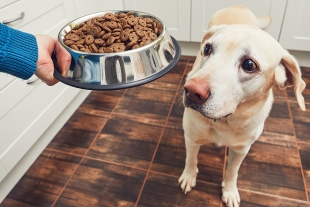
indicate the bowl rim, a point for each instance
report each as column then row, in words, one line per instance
column 78, row 20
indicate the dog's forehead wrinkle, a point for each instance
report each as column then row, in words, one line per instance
column 242, row 33
column 246, row 50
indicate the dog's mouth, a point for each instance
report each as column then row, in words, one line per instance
column 201, row 109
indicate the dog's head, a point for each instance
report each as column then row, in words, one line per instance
column 238, row 64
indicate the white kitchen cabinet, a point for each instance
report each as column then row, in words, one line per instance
column 49, row 19
column 6, row 2
column 26, row 122
column 202, row 10
column 20, row 90
column 295, row 34
column 22, row 104
column 5, row 79
column 91, row 6
column 175, row 14
column 29, row 111
column 3, row 172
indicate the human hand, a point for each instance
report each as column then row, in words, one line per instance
column 45, row 67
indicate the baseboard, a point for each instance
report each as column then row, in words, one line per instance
column 189, row 48
column 23, row 165
column 302, row 57
column 192, row 48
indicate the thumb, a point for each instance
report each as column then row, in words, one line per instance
column 63, row 58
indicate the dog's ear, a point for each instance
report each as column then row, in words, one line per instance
column 288, row 74
column 264, row 22
column 211, row 31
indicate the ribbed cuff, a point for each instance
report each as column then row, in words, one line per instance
column 18, row 52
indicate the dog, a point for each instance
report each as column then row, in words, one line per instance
column 228, row 93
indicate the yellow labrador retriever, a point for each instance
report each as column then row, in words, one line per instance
column 228, row 93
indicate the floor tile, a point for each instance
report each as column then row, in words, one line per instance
column 176, row 115
column 190, row 64
column 301, row 120
column 78, row 133
column 306, row 92
column 172, row 79
column 171, row 154
column 304, row 150
column 101, row 184
column 264, row 169
column 43, row 182
column 279, row 94
column 127, row 140
column 252, row 199
column 101, row 103
column 161, row 190
column 279, row 124
column 266, row 154
column 272, row 169
column 191, row 59
column 146, row 102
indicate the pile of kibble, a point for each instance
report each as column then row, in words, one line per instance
column 113, row 33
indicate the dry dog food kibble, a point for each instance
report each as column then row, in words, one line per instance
column 113, row 33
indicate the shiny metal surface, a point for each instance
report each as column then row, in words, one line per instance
column 110, row 71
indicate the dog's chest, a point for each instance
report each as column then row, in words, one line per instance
column 220, row 132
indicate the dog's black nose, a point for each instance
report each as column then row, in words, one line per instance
column 197, row 90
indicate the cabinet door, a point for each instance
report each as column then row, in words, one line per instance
column 92, row 6
column 3, row 3
column 5, row 79
column 202, row 10
column 175, row 14
column 295, row 34
column 20, row 89
column 21, row 127
column 3, row 172
column 49, row 18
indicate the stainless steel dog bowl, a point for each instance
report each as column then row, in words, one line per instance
column 111, row 71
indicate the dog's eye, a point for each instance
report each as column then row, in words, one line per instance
column 208, row 49
column 249, row 66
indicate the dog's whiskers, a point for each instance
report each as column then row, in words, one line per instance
column 180, row 101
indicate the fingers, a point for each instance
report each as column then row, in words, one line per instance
column 45, row 67
column 45, row 73
column 63, row 58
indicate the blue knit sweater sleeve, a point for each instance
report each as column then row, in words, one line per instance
column 18, row 52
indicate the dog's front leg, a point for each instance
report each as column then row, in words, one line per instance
column 230, row 191
column 188, row 178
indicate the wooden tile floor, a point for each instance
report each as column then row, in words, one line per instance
column 126, row 148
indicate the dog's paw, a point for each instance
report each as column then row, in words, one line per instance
column 187, row 180
column 231, row 197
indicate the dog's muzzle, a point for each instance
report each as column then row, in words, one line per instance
column 195, row 94
column 194, row 101
column 191, row 104
column 197, row 102
column 197, row 91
